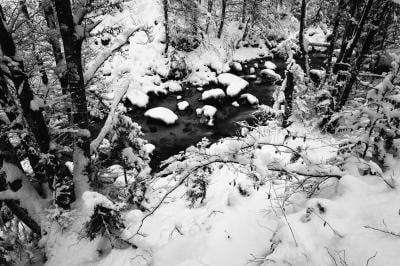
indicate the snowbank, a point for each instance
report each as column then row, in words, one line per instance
column 235, row 84
column 162, row 114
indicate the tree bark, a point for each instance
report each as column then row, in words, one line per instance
column 364, row 50
column 72, row 41
column 166, row 26
column 244, row 6
column 31, row 110
column 221, row 25
column 357, row 33
column 303, row 50
column 348, row 30
column 289, row 89
column 333, row 41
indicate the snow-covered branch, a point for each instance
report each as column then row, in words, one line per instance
column 104, row 55
column 112, row 115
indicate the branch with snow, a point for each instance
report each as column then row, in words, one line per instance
column 112, row 115
column 121, row 40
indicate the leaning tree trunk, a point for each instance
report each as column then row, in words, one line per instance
column 333, row 41
column 364, row 50
column 303, row 49
column 72, row 41
column 357, row 33
column 244, row 6
column 221, row 25
column 348, row 30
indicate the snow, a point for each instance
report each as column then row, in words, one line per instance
column 318, row 72
column 235, row 104
column 173, row 86
column 270, row 65
column 163, row 114
column 271, row 74
column 235, row 84
column 36, row 103
column 149, row 148
column 209, row 112
column 236, row 66
column 183, row 105
column 212, row 94
column 250, row 98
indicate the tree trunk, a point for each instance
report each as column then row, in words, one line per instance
column 348, row 30
column 303, row 50
column 289, row 89
column 244, row 6
column 365, row 49
column 333, row 41
column 166, row 26
column 221, row 25
column 54, row 40
column 30, row 105
column 209, row 15
column 72, row 41
column 357, row 33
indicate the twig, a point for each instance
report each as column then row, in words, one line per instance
column 382, row 230
column 370, row 258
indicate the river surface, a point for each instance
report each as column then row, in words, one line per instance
column 189, row 130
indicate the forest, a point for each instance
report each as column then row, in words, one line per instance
column 200, row 132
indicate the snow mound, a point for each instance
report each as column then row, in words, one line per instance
column 162, row 114
column 236, row 66
column 183, row 105
column 235, row 84
column 209, row 112
column 250, row 98
column 270, row 65
column 213, row 94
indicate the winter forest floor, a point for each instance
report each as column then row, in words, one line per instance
column 254, row 192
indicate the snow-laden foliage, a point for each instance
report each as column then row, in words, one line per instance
column 371, row 126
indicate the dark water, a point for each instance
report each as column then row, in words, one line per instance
column 189, row 130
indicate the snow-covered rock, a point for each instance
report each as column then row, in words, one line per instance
column 234, row 83
column 213, row 94
column 173, row 86
column 269, row 73
column 235, row 104
column 270, row 65
column 250, row 98
column 162, row 114
column 236, row 66
column 183, row 105
column 252, row 70
column 209, row 112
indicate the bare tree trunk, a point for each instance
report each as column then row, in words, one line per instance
column 244, row 6
column 289, row 89
column 221, row 25
column 209, row 10
column 365, row 49
column 29, row 104
column 54, row 40
column 72, row 41
column 303, row 50
column 166, row 26
column 348, row 30
column 357, row 32
column 333, row 40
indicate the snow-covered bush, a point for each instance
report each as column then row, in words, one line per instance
column 374, row 124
